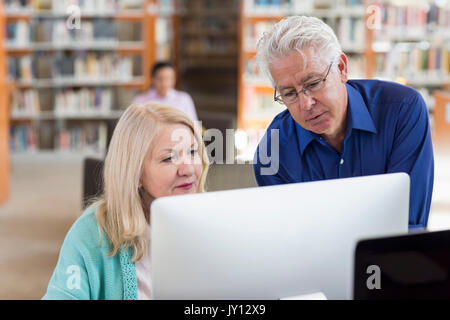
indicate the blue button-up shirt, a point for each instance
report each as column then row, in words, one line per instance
column 388, row 131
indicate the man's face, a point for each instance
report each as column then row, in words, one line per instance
column 322, row 112
column 164, row 80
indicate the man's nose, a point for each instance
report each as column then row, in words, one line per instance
column 306, row 101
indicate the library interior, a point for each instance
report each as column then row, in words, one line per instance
column 69, row 69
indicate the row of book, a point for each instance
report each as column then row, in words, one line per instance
column 83, row 101
column 19, row 68
column 85, row 138
column 411, row 20
column 94, row 66
column 15, row 5
column 88, row 137
column 210, row 45
column 411, row 59
column 87, row 6
column 58, row 32
column 67, row 102
column 295, row 6
column 76, row 66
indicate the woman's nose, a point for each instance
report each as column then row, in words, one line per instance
column 186, row 168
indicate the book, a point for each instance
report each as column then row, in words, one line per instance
column 25, row 103
column 22, row 138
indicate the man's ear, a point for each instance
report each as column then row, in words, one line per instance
column 343, row 68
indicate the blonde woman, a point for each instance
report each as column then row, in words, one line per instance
column 155, row 151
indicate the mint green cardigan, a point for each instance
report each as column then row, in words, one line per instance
column 84, row 270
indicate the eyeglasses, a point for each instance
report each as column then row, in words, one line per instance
column 292, row 96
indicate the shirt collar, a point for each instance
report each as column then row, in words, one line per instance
column 359, row 112
column 358, row 117
column 170, row 94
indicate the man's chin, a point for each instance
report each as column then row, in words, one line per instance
column 323, row 130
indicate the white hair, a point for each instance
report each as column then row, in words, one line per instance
column 297, row 33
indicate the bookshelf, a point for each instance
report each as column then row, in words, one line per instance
column 412, row 45
column 71, row 79
column 4, row 119
column 406, row 42
column 256, row 108
column 207, row 46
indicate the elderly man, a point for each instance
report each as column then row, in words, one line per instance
column 334, row 127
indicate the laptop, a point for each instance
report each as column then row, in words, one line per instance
column 413, row 266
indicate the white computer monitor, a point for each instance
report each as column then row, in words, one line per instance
column 271, row 242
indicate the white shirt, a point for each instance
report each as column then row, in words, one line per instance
column 143, row 277
column 174, row 98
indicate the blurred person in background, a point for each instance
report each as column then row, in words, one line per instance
column 163, row 91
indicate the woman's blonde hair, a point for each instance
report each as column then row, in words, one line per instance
column 120, row 211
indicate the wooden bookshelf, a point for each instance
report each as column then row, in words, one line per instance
column 135, row 56
column 441, row 128
column 4, row 115
column 207, row 56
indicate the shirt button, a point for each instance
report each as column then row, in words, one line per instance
column 342, row 161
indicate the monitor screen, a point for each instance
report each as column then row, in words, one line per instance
column 271, row 242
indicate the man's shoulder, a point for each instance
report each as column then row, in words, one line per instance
column 145, row 96
column 383, row 92
column 182, row 94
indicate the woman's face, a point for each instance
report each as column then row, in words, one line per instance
column 173, row 164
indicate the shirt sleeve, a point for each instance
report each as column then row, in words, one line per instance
column 141, row 98
column 70, row 277
column 76, row 275
column 412, row 153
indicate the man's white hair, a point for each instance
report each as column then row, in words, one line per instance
column 297, row 33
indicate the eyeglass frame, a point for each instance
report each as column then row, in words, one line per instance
column 280, row 100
